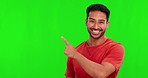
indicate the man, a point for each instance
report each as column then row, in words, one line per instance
column 99, row 56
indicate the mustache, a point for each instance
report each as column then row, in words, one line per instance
column 96, row 29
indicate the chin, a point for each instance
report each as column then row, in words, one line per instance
column 95, row 37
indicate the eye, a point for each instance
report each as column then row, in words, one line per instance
column 101, row 22
column 91, row 21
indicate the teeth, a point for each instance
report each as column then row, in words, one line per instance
column 96, row 31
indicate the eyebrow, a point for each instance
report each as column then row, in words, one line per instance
column 91, row 19
column 101, row 19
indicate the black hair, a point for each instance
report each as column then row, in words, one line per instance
column 98, row 7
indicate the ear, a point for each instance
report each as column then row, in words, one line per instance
column 86, row 22
column 107, row 24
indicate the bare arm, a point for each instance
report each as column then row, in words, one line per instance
column 94, row 69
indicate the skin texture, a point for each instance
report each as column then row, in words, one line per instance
column 96, row 25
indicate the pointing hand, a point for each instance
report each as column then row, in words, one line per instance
column 70, row 51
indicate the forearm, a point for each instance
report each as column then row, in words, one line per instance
column 92, row 68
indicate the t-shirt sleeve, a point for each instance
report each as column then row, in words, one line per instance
column 115, row 56
column 70, row 69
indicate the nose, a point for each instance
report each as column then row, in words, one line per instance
column 96, row 26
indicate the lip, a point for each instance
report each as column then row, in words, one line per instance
column 96, row 32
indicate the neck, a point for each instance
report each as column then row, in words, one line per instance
column 94, row 42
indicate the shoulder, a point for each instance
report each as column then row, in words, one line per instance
column 115, row 47
column 81, row 45
column 112, row 43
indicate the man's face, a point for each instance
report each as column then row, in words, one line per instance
column 96, row 24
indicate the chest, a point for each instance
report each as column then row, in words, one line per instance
column 94, row 54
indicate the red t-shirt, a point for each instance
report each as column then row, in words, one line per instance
column 110, row 51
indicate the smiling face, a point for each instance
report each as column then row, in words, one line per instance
column 96, row 24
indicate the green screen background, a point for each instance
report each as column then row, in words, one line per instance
column 30, row 30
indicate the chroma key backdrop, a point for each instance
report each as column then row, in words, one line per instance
column 30, row 31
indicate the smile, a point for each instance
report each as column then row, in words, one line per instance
column 95, row 32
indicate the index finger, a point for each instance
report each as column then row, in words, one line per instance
column 66, row 42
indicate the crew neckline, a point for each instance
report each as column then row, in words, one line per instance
column 97, row 45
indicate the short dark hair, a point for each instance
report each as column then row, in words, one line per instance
column 98, row 7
